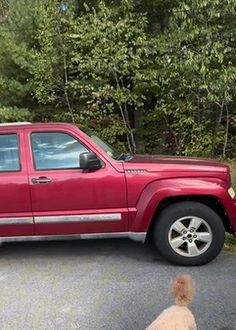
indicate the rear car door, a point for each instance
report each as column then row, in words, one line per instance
column 15, row 208
column 66, row 199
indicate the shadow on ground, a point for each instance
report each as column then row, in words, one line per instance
column 115, row 248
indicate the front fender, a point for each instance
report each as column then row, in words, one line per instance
column 155, row 192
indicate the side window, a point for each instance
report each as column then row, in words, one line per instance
column 9, row 153
column 56, row 150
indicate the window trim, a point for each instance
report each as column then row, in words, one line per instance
column 19, row 155
column 55, row 169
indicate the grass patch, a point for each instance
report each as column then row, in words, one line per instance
column 230, row 243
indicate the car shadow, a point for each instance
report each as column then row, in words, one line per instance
column 115, row 248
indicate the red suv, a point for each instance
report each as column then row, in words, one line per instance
column 62, row 181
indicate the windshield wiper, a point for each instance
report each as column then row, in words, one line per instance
column 125, row 157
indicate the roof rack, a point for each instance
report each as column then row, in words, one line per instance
column 16, row 123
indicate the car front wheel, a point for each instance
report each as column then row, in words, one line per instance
column 189, row 233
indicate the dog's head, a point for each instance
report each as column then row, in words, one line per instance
column 182, row 289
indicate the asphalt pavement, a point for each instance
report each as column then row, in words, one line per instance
column 105, row 284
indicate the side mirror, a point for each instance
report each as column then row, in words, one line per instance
column 89, row 161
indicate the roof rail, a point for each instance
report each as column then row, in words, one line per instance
column 16, row 123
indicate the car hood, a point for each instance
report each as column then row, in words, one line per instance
column 173, row 163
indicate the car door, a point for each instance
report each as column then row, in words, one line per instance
column 66, row 199
column 15, row 208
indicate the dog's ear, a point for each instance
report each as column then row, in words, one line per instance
column 182, row 289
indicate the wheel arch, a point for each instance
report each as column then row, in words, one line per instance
column 211, row 201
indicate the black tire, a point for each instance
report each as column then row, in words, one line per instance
column 193, row 251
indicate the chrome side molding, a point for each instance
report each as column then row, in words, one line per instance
column 79, row 218
column 62, row 219
column 17, row 221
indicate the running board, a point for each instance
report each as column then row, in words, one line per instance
column 138, row 237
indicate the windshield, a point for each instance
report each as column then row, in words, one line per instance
column 104, row 145
column 110, row 151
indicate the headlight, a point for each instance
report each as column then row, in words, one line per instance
column 231, row 192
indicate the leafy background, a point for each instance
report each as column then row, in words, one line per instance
column 151, row 76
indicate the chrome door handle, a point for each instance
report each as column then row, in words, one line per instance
column 42, row 179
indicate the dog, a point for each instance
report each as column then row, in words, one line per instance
column 178, row 316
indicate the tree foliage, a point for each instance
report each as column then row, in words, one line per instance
column 198, row 77
column 9, row 115
column 149, row 75
column 109, row 51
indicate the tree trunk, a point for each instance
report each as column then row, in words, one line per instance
column 226, row 131
column 138, row 125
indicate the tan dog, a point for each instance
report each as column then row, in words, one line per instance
column 178, row 316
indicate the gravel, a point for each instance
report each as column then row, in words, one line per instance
column 106, row 284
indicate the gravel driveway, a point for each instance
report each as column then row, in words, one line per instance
column 108, row 284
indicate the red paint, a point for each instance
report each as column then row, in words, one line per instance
column 115, row 188
column 15, row 193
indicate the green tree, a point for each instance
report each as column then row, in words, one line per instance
column 197, row 75
column 161, row 74
column 17, row 39
column 9, row 114
column 108, row 51
column 30, row 64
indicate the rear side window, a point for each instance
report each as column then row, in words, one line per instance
column 56, row 150
column 9, row 153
